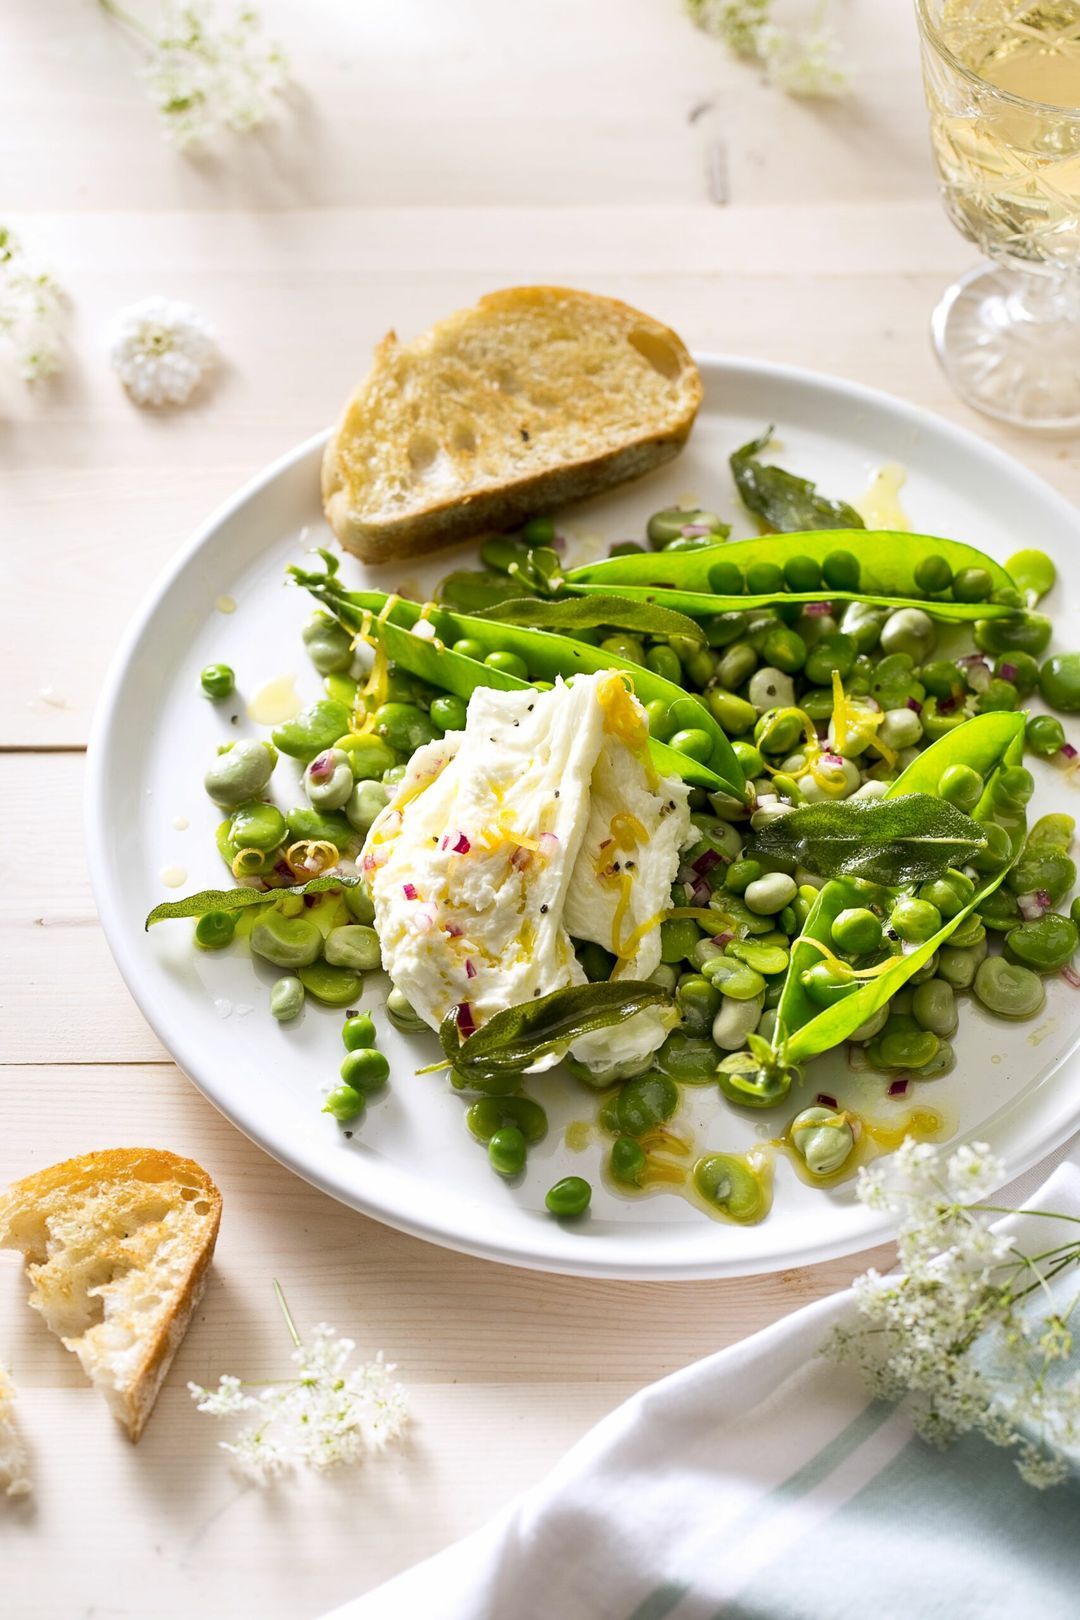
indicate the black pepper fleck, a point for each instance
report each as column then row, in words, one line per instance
column 543, row 911
column 556, row 793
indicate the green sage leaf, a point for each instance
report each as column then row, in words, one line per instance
column 586, row 612
column 207, row 900
column 910, row 839
column 783, row 501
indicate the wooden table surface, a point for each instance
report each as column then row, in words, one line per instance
column 430, row 152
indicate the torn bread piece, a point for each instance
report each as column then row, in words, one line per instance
column 14, row 1478
column 117, row 1247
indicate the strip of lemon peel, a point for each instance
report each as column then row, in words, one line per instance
column 373, row 694
column 874, row 972
column 868, row 721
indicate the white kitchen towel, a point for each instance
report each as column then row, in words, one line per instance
column 763, row 1484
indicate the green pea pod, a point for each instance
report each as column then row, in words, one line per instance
column 518, row 1037
column 988, row 743
column 887, row 562
column 547, row 655
column 704, row 604
column 642, row 614
column 197, row 905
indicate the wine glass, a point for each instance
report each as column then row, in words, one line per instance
column 1002, row 82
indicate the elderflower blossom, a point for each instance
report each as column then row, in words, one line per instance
column 329, row 1414
column 210, row 68
column 31, row 311
column 161, row 349
column 804, row 61
column 963, row 1328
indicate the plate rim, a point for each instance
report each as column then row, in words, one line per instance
column 505, row 1250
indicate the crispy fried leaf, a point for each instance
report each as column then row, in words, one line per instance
column 782, row 500
column 911, row 839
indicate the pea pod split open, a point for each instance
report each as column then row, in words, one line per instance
column 391, row 621
column 988, row 743
column 887, row 560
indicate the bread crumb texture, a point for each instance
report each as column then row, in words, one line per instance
column 117, row 1248
column 14, row 1478
column 534, row 397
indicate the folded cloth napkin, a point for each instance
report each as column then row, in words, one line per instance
column 764, row 1484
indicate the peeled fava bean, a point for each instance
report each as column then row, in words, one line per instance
column 823, row 1139
column 288, row 942
column 735, row 1021
column 1046, row 944
column 957, row 965
column 239, row 773
column 328, row 780
column 1009, row 989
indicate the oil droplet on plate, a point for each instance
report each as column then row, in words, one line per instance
column 181, row 823
column 578, row 1135
column 172, row 876
column 880, row 507
column 275, row 703
column 226, row 604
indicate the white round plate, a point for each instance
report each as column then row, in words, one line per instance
column 412, row 1162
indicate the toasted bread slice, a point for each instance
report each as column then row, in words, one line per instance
column 14, row 1479
column 117, row 1248
column 536, row 397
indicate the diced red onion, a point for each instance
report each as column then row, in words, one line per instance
column 549, row 843
column 1068, row 750
column 701, row 894
column 688, row 893
column 969, row 659
column 558, row 542
column 470, row 971
column 817, row 610
column 409, row 890
column 978, row 677
column 1034, row 905
column 832, row 759
column 722, row 939
column 707, row 860
column 321, row 767
column 1008, row 672
column 461, row 845
column 1070, row 975
column 695, row 531
column 466, row 1023
column 914, row 705
column 898, row 1088
column 454, row 931
column 825, row 1100
column 946, row 705
column 520, row 859
column 424, row 918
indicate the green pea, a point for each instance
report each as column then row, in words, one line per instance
column 328, row 644
column 344, row 1104
column 1045, row 944
column 365, row 1070
column 962, row 786
column 863, row 624
column 911, row 631
column 240, row 772
column 358, row 902
column 958, row 966
column 802, row 573
column 334, row 986
column 1059, row 682
column 448, row 712
column 645, row 1102
column 841, row 570
column 949, row 894
column 664, row 661
column 405, row 727
column 999, row 910
column 1009, row 989
column 217, row 681
column 678, row 936
column 1074, row 911
column 569, row 1197
column 1033, row 571
column 834, row 652
column 491, row 1114
column 353, row 946
column 314, row 729
column 358, row 1032
column 763, row 958
column 725, row 578
column 764, row 579
column 1044, row 735
column 933, row 1005
column 1027, row 632
column 724, row 628
column 941, row 678
column 1011, row 789
column 693, row 742
column 972, row 585
column 698, row 1003
column 621, row 645
column 691, row 1059
column 365, row 802
column 215, row 930
column 822, row 1138
column 290, row 942
column 729, row 1184
column 736, row 665
column 914, row 920
column 998, row 848
column 286, row 998
column 401, row 1012
column 468, row 647
column 1019, row 668
column 597, row 963
column 627, row 1161
column 778, row 731
column 785, row 649
column 828, row 982
column 933, row 575
column 856, row 930
column 700, row 668
column 999, row 696
column 740, row 874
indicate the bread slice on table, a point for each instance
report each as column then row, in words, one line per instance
column 117, row 1247
column 536, row 397
column 14, row 1479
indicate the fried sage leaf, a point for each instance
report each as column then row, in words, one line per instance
column 783, row 501
column 519, row 1037
column 207, row 900
column 911, row 839
column 587, row 612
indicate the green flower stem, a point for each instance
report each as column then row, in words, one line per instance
column 128, row 20
column 279, row 1292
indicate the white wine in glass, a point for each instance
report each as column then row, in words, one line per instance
column 1003, row 88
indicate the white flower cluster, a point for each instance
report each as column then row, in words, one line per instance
column 31, row 311
column 210, row 69
column 803, row 61
column 327, row 1415
column 954, row 1328
column 161, row 349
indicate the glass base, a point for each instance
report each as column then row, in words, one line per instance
column 1009, row 343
